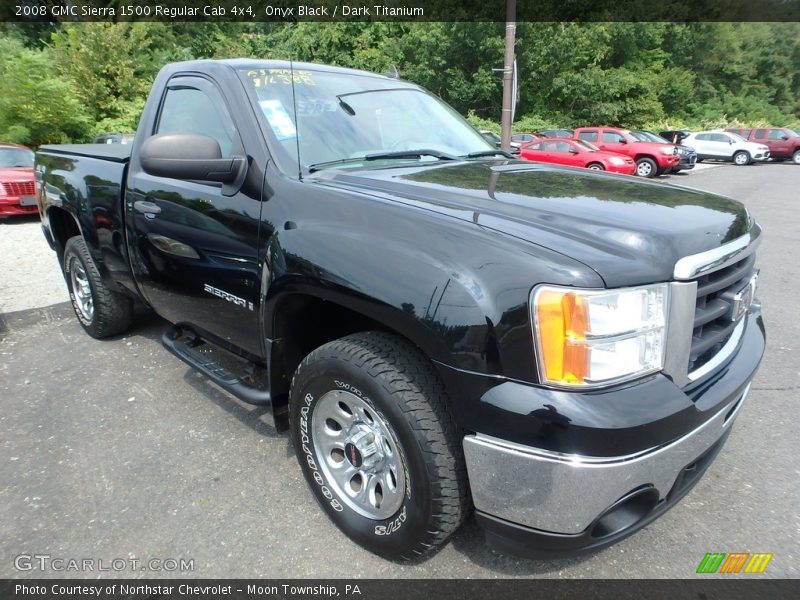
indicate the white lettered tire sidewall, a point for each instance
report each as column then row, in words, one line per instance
column 391, row 537
column 407, row 533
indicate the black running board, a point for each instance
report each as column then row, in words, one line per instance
column 245, row 380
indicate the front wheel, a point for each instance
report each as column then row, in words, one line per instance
column 796, row 157
column 101, row 311
column 377, row 445
column 741, row 158
column 646, row 167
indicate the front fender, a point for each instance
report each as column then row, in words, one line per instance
column 459, row 295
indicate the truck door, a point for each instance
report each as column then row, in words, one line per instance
column 779, row 142
column 612, row 141
column 193, row 250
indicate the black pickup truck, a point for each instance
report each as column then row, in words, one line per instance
column 443, row 328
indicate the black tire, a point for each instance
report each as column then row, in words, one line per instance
column 741, row 158
column 646, row 167
column 595, row 167
column 112, row 313
column 796, row 157
column 399, row 386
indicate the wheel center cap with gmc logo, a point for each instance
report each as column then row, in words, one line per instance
column 353, row 455
column 360, row 447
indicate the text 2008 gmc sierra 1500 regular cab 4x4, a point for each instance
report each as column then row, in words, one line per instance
column 446, row 328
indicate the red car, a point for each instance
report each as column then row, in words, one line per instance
column 17, row 182
column 577, row 153
column 652, row 158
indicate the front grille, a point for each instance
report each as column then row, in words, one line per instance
column 712, row 316
column 20, row 188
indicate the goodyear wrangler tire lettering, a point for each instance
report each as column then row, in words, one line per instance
column 312, row 463
column 396, row 488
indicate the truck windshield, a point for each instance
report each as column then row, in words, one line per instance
column 340, row 120
column 15, row 157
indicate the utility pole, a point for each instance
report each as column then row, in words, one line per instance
column 508, row 74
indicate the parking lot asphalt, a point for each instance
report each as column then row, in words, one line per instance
column 116, row 450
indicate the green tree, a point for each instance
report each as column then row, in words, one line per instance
column 36, row 105
column 113, row 65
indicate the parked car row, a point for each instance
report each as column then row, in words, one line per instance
column 669, row 151
column 783, row 143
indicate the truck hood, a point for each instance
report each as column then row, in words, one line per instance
column 629, row 231
column 16, row 174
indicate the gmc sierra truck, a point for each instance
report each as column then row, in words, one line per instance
column 443, row 328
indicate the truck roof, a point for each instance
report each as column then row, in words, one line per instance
column 257, row 63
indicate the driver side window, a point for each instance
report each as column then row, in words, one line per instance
column 189, row 110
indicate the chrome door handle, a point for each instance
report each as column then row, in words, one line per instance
column 148, row 208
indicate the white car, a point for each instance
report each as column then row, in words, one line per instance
column 724, row 145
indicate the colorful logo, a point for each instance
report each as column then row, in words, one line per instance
column 735, row 562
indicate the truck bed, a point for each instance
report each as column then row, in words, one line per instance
column 110, row 152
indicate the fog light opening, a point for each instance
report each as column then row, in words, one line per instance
column 626, row 512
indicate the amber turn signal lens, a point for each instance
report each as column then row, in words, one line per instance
column 562, row 321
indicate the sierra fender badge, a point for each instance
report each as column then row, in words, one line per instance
column 227, row 296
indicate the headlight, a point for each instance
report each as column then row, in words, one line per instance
column 667, row 150
column 589, row 338
column 616, row 161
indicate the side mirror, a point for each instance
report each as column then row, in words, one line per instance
column 784, row 136
column 623, row 141
column 730, row 141
column 190, row 156
column 572, row 151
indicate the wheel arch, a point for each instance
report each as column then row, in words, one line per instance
column 63, row 226
column 298, row 322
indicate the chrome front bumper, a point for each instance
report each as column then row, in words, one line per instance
column 566, row 494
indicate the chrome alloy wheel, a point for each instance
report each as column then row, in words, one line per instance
column 359, row 455
column 82, row 291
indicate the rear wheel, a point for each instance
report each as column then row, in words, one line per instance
column 102, row 312
column 377, row 445
column 741, row 158
column 595, row 167
column 646, row 167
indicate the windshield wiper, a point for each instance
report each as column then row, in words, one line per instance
column 482, row 153
column 341, row 161
column 400, row 154
column 410, row 154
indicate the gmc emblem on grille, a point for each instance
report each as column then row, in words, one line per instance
column 743, row 299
